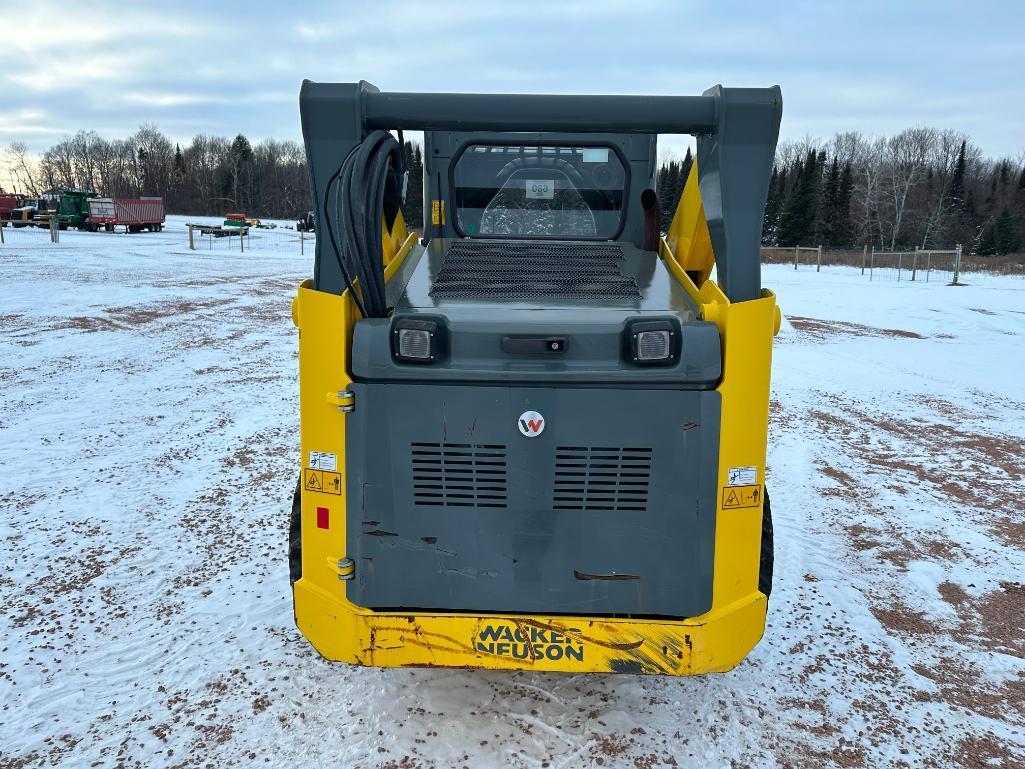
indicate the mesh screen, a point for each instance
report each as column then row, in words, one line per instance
column 480, row 269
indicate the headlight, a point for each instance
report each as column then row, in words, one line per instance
column 416, row 341
column 653, row 342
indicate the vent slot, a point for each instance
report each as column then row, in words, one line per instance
column 458, row 475
column 481, row 269
column 601, row 478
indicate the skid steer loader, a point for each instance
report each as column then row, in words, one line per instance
column 534, row 437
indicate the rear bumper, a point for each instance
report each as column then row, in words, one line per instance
column 713, row 643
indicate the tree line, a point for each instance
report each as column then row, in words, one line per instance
column 210, row 176
column 921, row 187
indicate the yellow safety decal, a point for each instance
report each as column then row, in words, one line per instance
column 438, row 211
column 322, row 480
column 741, row 496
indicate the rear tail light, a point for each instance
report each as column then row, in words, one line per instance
column 653, row 342
column 417, row 341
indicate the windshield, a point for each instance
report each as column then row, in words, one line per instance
column 543, row 191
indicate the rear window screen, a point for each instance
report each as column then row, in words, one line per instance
column 548, row 191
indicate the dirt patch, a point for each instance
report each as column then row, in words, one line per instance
column 975, row 469
column 821, row 330
column 118, row 318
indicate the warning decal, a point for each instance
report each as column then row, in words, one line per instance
column 437, row 211
column 742, row 476
column 741, row 496
column 322, row 480
column 323, row 460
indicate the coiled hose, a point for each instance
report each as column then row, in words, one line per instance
column 366, row 188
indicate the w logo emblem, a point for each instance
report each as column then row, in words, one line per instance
column 531, row 424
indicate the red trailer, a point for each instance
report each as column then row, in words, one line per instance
column 134, row 214
column 8, row 203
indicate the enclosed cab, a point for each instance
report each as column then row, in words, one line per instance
column 543, row 446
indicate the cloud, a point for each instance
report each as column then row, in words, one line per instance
column 198, row 68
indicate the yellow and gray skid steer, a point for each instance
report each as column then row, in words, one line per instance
column 534, row 436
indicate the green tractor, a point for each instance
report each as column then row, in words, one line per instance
column 73, row 209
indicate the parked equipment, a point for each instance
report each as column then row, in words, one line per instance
column 134, row 214
column 8, row 202
column 305, row 223
column 73, row 208
column 536, row 439
column 33, row 212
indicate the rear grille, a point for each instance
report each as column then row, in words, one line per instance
column 458, row 475
column 481, row 269
column 601, row 478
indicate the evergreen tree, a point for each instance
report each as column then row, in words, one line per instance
column 797, row 224
column 957, row 190
column 830, row 202
column 843, row 231
column 771, row 208
column 413, row 207
column 1002, row 237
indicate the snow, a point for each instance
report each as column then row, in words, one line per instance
column 148, row 446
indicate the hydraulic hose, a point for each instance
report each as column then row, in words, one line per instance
column 363, row 186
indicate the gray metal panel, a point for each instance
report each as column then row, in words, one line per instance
column 593, row 355
column 332, row 125
column 734, row 167
column 540, row 112
column 593, row 329
column 529, row 556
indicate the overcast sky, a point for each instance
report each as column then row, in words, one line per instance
column 201, row 68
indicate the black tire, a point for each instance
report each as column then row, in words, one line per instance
column 765, row 565
column 295, row 543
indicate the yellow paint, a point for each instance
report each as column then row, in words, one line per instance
column 437, row 211
column 688, row 239
column 713, row 642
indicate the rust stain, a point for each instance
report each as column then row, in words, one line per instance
column 689, row 425
column 429, row 540
column 380, row 533
column 610, row 577
column 371, row 523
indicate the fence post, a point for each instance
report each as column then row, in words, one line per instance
column 2, row 228
column 900, row 260
column 818, row 260
column 957, row 263
column 914, row 265
column 192, row 243
column 872, row 264
column 54, row 237
column 302, row 240
column 864, row 257
column 242, row 239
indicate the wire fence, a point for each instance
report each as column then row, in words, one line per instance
column 918, row 265
column 25, row 236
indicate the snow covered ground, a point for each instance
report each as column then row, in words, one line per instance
column 148, row 447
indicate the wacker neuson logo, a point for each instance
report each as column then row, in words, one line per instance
column 529, row 643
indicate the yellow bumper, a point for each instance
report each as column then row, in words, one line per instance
column 714, row 643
